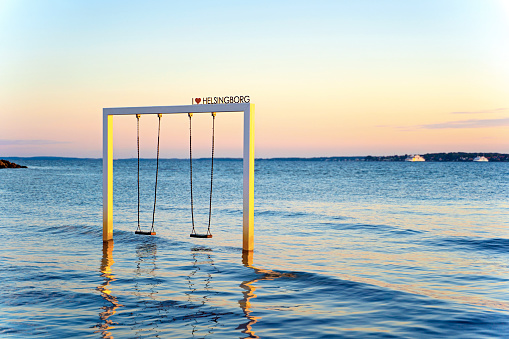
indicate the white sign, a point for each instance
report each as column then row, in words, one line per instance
column 238, row 99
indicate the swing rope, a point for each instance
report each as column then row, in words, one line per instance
column 138, row 230
column 138, row 146
column 157, row 172
column 211, row 170
column 190, row 115
column 193, row 232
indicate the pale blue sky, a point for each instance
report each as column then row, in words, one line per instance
column 327, row 77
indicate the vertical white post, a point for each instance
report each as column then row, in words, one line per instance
column 107, row 176
column 248, row 180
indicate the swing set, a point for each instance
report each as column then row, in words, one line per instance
column 152, row 229
column 248, row 164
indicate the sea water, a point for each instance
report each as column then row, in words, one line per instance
column 342, row 250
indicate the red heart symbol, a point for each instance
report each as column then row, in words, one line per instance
column 198, row 100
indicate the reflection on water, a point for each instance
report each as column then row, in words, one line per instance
column 146, row 252
column 245, row 302
column 249, row 289
column 198, row 298
column 146, row 289
column 106, row 272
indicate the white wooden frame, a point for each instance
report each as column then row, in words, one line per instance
column 248, row 155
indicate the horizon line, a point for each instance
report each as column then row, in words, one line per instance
column 239, row 158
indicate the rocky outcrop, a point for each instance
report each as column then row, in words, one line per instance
column 8, row 164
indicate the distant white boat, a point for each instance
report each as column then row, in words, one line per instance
column 415, row 158
column 481, row 158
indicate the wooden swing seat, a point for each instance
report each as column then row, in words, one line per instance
column 145, row 233
column 194, row 235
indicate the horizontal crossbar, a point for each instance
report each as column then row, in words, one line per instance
column 177, row 109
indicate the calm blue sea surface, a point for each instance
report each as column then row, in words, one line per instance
column 342, row 250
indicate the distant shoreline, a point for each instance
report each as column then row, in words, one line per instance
column 430, row 157
column 445, row 157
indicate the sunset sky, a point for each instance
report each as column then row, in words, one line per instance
column 328, row 78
